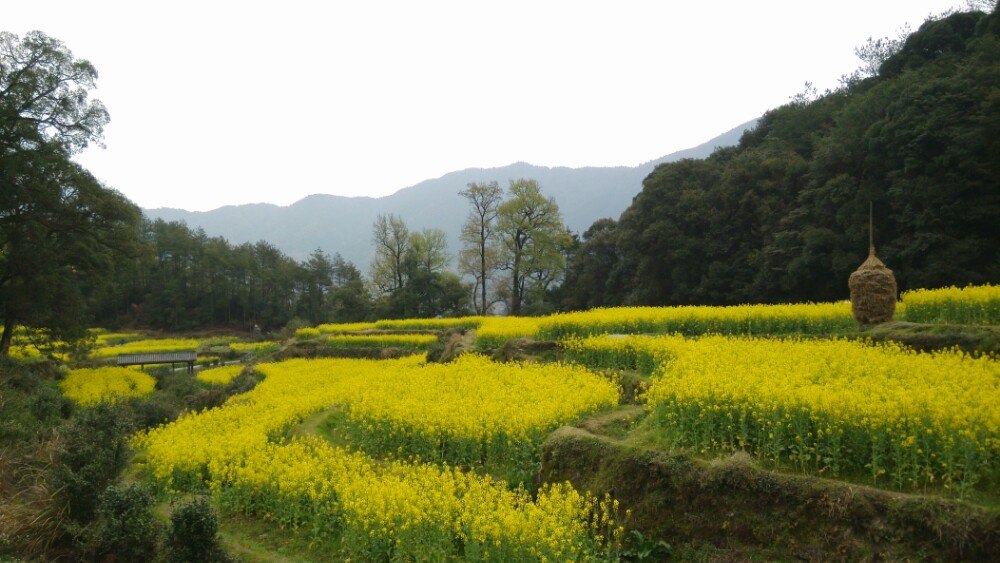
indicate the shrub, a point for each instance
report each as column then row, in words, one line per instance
column 127, row 528
column 94, row 449
column 291, row 329
column 154, row 411
column 245, row 381
column 193, row 534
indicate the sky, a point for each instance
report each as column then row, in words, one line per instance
column 223, row 103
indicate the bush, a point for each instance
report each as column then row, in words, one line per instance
column 193, row 534
column 127, row 528
column 205, row 400
column 153, row 411
column 243, row 383
column 293, row 325
column 93, row 451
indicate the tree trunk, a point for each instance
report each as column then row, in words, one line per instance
column 482, row 264
column 7, row 337
column 515, row 295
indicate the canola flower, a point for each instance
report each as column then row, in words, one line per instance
column 24, row 352
column 344, row 327
column 308, row 332
column 220, row 375
column 391, row 324
column 978, row 304
column 829, row 406
column 28, row 344
column 496, row 331
column 245, row 347
column 692, row 320
column 491, row 332
column 410, row 341
column 104, row 338
column 147, row 346
column 429, row 324
column 92, row 386
column 472, row 411
column 396, row 507
column 413, row 511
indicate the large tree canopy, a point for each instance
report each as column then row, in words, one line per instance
column 783, row 216
column 532, row 238
column 60, row 230
column 44, row 95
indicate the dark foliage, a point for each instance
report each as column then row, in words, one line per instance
column 62, row 233
column 94, row 450
column 187, row 280
column 127, row 529
column 783, row 216
column 193, row 534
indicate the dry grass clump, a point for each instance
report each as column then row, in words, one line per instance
column 873, row 291
column 32, row 518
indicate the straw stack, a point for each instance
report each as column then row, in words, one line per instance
column 873, row 291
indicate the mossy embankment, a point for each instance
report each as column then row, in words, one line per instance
column 973, row 339
column 742, row 510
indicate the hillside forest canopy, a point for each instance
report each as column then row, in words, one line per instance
column 781, row 217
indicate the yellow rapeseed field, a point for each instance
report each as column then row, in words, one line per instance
column 803, row 318
column 472, row 411
column 409, row 407
column 496, row 331
column 429, row 324
column 147, row 346
column 412, row 341
column 978, row 304
column 830, row 406
column 346, row 327
column 92, row 386
column 104, row 338
column 244, row 347
column 413, row 511
column 220, row 375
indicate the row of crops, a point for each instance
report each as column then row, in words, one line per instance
column 975, row 305
column 833, row 407
column 378, row 498
column 103, row 345
column 971, row 305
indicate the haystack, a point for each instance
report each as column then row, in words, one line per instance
column 873, row 291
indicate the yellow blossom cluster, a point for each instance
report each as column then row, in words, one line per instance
column 220, row 375
column 104, row 338
column 472, row 411
column 429, row 324
column 245, row 347
column 496, row 331
column 402, row 510
column 830, row 406
column 147, row 346
column 411, row 341
column 978, row 304
column 92, row 386
column 802, row 318
column 395, row 507
column 330, row 328
column 391, row 324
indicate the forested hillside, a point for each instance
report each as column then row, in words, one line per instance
column 783, row 216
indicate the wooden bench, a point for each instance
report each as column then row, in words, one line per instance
column 171, row 358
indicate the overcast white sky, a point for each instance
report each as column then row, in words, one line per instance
column 217, row 103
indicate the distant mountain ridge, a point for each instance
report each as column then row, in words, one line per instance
column 343, row 224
